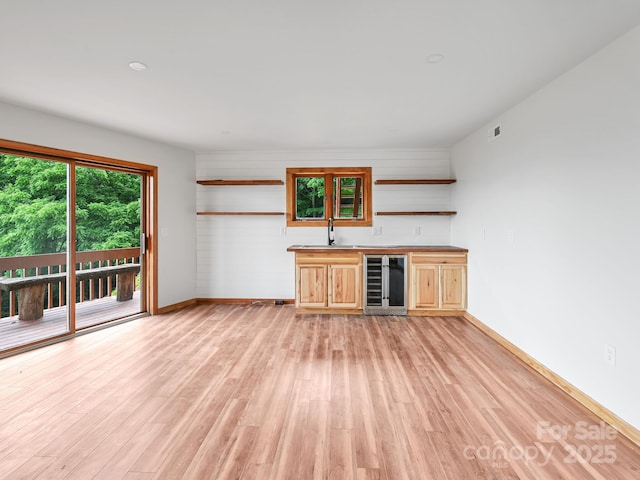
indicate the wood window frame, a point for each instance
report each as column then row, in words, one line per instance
column 329, row 173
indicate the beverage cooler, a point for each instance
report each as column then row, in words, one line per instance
column 385, row 282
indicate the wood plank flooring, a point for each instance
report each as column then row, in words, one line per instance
column 258, row 392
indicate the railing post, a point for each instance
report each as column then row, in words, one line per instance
column 49, row 289
column 92, row 292
column 12, row 297
column 62, row 292
column 28, row 265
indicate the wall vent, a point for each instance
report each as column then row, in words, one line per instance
column 495, row 132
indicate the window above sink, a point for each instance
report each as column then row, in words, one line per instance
column 316, row 194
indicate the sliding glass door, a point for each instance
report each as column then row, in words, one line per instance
column 33, row 245
column 71, row 255
column 108, row 258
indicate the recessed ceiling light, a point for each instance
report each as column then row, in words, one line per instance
column 435, row 58
column 138, row 66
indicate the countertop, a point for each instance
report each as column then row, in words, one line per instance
column 377, row 248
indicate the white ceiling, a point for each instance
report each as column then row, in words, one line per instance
column 295, row 74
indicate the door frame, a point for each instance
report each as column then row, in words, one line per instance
column 149, row 204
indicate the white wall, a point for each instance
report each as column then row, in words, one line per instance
column 550, row 212
column 176, row 183
column 246, row 257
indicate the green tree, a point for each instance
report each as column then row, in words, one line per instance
column 33, row 207
column 310, row 197
column 107, row 209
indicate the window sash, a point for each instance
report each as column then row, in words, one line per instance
column 343, row 187
column 310, row 198
column 347, row 194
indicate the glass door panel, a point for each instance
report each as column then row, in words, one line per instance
column 397, row 281
column 33, row 243
column 108, row 232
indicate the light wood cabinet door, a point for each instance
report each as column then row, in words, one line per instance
column 325, row 281
column 311, row 285
column 453, row 281
column 424, row 287
column 345, row 286
column 438, row 282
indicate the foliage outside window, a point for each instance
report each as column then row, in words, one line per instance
column 316, row 194
column 33, row 207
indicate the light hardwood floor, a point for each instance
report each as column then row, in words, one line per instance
column 259, row 392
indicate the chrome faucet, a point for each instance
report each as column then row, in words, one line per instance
column 330, row 232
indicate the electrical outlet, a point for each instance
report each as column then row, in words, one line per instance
column 283, row 231
column 511, row 236
column 377, row 230
column 610, row 354
column 417, row 230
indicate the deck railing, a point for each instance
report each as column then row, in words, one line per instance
column 55, row 296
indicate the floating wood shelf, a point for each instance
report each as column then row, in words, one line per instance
column 417, row 181
column 240, row 182
column 240, row 213
column 443, row 212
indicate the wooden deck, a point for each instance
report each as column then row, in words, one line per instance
column 14, row 332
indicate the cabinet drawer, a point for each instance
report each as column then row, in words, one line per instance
column 424, row 258
column 323, row 258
